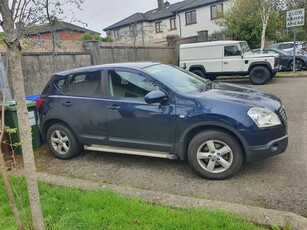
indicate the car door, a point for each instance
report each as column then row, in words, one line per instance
column 132, row 123
column 84, row 107
column 232, row 60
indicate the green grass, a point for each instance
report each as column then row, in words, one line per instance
column 73, row 209
column 291, row 74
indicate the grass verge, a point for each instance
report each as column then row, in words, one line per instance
column 67, row 208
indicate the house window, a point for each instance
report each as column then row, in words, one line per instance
column 116, row 34
column 190, row 17
column 216, row 11
column 173, row 23
column 132, row 29
column 158, row 26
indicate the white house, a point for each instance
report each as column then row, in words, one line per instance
column 183, row 19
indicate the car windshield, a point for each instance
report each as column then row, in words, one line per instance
column 245, row 48
column 182, row 80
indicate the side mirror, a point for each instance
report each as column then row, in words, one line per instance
column 155, row 97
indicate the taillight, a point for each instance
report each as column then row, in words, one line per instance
column 39, row 103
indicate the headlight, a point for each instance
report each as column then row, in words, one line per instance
column 263, row 117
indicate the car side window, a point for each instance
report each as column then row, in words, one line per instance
column 130, row 85
column 60, row 84
column 231, row 51
column 86, row 84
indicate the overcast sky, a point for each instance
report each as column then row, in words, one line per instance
column 99, row 14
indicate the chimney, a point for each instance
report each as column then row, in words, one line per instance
column 160, row 4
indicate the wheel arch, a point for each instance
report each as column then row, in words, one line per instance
column 189, row 133
column 197, row 67
column 261, row 63
column 47, row 124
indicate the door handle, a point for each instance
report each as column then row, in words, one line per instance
column 67, row 103
column 113, row 107
column 225, row 62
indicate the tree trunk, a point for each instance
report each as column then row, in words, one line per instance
column 14, row 58
column 264, row 27
column 11, row 39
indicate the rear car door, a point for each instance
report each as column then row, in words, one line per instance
column 132, row 123
column 83, row 107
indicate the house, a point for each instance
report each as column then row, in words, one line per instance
column 183, row 19
column 63, row 31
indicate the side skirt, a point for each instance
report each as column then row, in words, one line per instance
column 138, row 152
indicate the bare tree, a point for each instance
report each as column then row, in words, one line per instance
column 14, row 15
column 13, row 12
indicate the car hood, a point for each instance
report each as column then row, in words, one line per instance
column 242, row 94
column 263, row 55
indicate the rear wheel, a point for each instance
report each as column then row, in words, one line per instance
column 259, row 75
column 215, row 155
column 62, row 141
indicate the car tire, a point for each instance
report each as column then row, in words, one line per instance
column 199, row 72
column 215, row 155
column 299, row 65
column 259, row 75
column 62, row 141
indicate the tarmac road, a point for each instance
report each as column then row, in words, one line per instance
column 276, row 183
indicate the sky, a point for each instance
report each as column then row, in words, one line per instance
column 99, row 14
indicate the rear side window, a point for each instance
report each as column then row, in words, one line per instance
column 60, row 84
column 86, row 84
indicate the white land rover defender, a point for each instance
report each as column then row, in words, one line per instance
column 228, row 58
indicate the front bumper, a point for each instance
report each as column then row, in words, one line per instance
column 277, row 69
column 271, row 149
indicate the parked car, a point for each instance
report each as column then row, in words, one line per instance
column 286, row 59
column 289, row 46
column 157, row 110
column 227, row 58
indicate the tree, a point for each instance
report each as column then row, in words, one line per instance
column 93, row 37
column 252, row 21
column 15, row 14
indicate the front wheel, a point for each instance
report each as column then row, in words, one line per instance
column 215, row 155
column 62, row 141
column 199, row 72
column 299, row 65
column 259, row 75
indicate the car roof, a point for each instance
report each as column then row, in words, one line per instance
column 131, row 65
column 213, row 43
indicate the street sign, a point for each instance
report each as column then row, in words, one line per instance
column 295, row 18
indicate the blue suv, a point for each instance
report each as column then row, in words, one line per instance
column 157, row 110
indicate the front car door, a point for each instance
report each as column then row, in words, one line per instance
column 232, row 59
column 132, row 123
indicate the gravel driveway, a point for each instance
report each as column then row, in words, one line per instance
column 276, row 183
